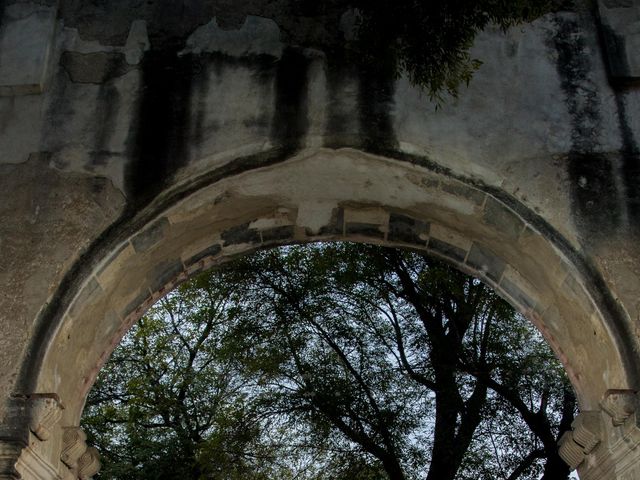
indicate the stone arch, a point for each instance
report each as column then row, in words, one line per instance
column 339, row 195
column 178, row 158
column 325, row 194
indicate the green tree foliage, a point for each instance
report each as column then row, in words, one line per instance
column 170, row 404
column 339, row 361
column 430, row 40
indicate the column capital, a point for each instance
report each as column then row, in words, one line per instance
column 35, row 446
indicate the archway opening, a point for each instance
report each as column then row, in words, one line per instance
column 332, row 361
column 328, row 195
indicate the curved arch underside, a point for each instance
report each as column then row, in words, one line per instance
column 345, row 194
column 159, row 145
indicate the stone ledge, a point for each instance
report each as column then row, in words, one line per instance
column 620, row 22
column 26, row 36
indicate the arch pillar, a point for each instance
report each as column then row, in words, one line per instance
column 604, row 443
column 331, row 195
column 507, row 196
column 36, row 445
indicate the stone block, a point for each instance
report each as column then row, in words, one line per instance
column 587, row 430
column 26, row 37
column 115, row 260
column 577, row 291
column 504, row 220
column 486, row 262
column 335, row 225
column 364, row 229
column 138, row 300
column 96, row 67
column 366, row 215
column 407, row 230
column 46, row 410
column 164, row 273
column 151, row 236
column 211, row 251
column 89, row 464
column 620, row 405
column 36, row 464
column 240, row 234
column 89, row 291
column 250, row 35
column 73, row 445
column 450, row 236
column 447, row 250
column 461, row 190
column 9, row 454
column 570, row 451
column 280, row 217
column 516, row 293
column 137, row 42
column 448, row 243
column 278, row 234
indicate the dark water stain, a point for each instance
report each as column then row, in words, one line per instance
column 630, row 168
column 278, row 234
column 201, row 92
column 290, row 118
column 105, row 115
column 97, row 67
column 159, row 140
column 595, row 199
column 594, row 190
column 262, row 71
column 364, row 229
column 373, row 97
column 240, row 234
column 407, row 229
column 620, row 80
column 616, row 53
column 341, row 130
column 375, row 104
column 134, row 221
column 168, row 128
column 61, row 107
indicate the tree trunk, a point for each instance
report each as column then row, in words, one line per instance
column 555, row 468
column 393, row 468
column 443, row 453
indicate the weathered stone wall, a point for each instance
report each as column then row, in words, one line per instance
column 143, row 141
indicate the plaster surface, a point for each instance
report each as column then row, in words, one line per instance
column 142, row 142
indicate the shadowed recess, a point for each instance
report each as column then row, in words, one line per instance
column 595, row 198
column 160, row 139
column 290, row 122
column 630, row 163
column 375, row 100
